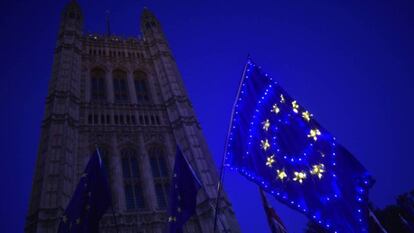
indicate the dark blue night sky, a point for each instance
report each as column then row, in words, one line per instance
column 350, row 63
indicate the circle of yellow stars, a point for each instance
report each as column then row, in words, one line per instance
column 317, row 170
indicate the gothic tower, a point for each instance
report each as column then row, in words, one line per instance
column 127, row 96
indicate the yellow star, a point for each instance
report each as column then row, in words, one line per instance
column 266, row 124
column 78, row 221
column 270, row 161
column 314, row 133
column 318, row 170
column 172, row 219
column 282, row 98
column 64, row 218
column 265, row 144
column 299, row 176
column 275, row 109
column 307, row 115
column 281, row 174
column 295, row 106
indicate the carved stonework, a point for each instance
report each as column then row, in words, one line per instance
column 125, row 138
column 88, row 105
column 153, row 138
column 99, row 138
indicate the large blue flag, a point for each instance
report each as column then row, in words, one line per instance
column 90, row 200
column 183, row 194
column 277, row 143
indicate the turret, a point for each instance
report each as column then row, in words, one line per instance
column 186, row 128
column 150, row 26
column 53, row 186
column 68, row 47
column 71, row 19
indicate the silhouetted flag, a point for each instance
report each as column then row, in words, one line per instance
column 275, row 223
column 277, row 143
column 183, row 194
column 90, row 200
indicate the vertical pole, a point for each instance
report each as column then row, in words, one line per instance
column 221, row 178
column 108, row 26
column 112, row 205
column 406, row 223
column 371, row 213
column 114, row 217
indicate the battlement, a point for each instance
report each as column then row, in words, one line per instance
column 112, row 46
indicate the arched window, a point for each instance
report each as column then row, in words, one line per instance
column 160, row 175
column 132, row 182
column 141, row 87
column 120, row 86
column 98, row 88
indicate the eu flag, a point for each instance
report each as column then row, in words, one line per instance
column 90, row 200
column 277, row 143
column 183, row 194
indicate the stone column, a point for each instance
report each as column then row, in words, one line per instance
column 116, row 181
column 147, row 179
column 109, row 86
column 131, row 88
column 88, row 86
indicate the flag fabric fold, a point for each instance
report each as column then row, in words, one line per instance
column 277, row 143
column 275, row 223
column 183, row 194
column 90, row 200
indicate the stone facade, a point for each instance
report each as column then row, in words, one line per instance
column 126, row 96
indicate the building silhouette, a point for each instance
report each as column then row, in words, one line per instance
column 126, row 96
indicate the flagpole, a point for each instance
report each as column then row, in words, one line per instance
column 203, row 187
column 221, row 178
column 377, row 221
column 114, row 217
column 112, row 205
column 219, row 219
column 406, row 223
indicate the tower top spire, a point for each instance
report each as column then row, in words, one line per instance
column 147, row 14
column 71, row 17
column 72, row 10
column 149, row 22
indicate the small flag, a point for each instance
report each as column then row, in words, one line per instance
column 275, row 223
column 90, row 200
column 278, row 144
column 183, row 194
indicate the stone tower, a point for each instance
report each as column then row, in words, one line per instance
column 126, row 95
